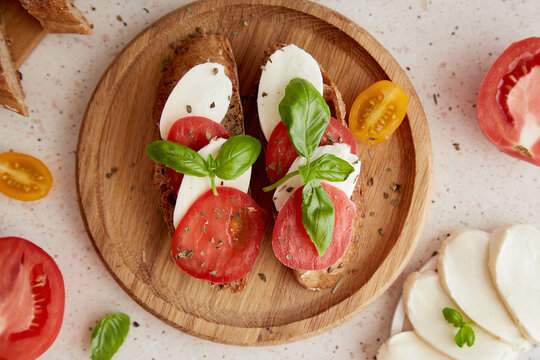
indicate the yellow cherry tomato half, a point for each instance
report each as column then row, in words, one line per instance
column 23, row 177
column 377, row 112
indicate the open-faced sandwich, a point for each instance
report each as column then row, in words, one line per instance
column 312, row 164
column 203, row 164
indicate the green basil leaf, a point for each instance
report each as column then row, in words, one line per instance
column 305, row 114
column 108, row 335
column 467, row 333
column 306, row 173
column 331, row 168
column 178, row 157
column 459, row 339
column 236, row 155
column 453, row 317
column 318, row 216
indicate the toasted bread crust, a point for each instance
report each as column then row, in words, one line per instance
column 11, row 92
column 199, row 50
column 58, row 16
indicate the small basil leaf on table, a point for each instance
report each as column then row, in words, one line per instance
column 178, row 157
column 459, row 339
column 305, row 114
column 331, row 168
column 453, row 317
column 236, row 155
column 108, row 335
column 318, row 216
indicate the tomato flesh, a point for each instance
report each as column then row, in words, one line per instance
column 219, row 237
column 377, row 112
column 195, row 132
column 280, row 153
column 31, row 299
column 23, row 177
column 293, row 246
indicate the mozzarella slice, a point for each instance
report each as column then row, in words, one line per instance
column 514, row 260
column 204, row 90
column 408, row 346
column 463, row 266
column 424, row 301
column 193, row 186
column 283, row 65
column 340, row 150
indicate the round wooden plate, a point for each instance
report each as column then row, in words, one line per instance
column 120, row 206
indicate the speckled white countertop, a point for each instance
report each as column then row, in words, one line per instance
column 445, row 47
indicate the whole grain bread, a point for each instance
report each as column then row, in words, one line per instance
column 195, row 51
column 11, row 92
column 328, row 278
column 58, row 16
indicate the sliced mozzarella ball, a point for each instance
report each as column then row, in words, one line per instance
column 340, row 150
column 193, row 186
column 425, row 299
column 514, row 261
column 464, row 270
column 408, row 346
column 204, row 91
column 283, row 65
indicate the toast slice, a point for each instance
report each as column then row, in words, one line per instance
column 58, row 16
column 328, row 278
column 11, row 92
column 198, row 50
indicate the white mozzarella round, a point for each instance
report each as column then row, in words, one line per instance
column 193, row 186
column 425, row 299
column 341, row 150
column 514, row 261
column 284, row 65
column 408, row 346
column 204, row 91
column 464, row 270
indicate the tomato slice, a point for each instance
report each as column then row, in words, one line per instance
column 293, row 246
column 280, row 153
column 508, row 108
column 219, row 237
column 377, row 112
column 195, row 132
column 23, row 177
column 31, row 299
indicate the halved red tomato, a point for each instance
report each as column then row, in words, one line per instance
column 219, row 237
column 292, row 244
column 31, row 299
column 280, row 153
column 195, row 132
column 508, row 106
column 24, row 177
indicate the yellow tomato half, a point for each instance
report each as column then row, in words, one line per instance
column 377, row 112
column 23, row 177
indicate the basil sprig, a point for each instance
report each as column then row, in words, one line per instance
column 235, row 156
column 306, row 115
column 465, row 334
column 108, row 335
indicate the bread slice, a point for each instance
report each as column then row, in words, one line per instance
column 11, row 92
column 328, row 278
column 198, row 50
column 58, row 16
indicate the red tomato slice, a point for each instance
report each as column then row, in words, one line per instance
column 195, row 132
column 293, row 246
column 219, row 237
column 280, row 152
column 31, row 299
column 508, row 106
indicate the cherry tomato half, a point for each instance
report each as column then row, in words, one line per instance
column 23, row 177
column 377, row 112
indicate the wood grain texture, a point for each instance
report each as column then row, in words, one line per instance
column 120, row 206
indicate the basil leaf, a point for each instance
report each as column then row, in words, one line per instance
column 467, row 334
column 109, row 333
column 305, row 114
column 236, row 155
column 318, row 215
column 459, row 339
column 453, row 317
column 331, row 168
column 178, row 157
column 306, row 173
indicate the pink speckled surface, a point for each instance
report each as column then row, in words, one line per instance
column 445, row 47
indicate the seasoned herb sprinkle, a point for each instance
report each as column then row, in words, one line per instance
column 263, row 277
column 338, row 284
column 188, row 109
